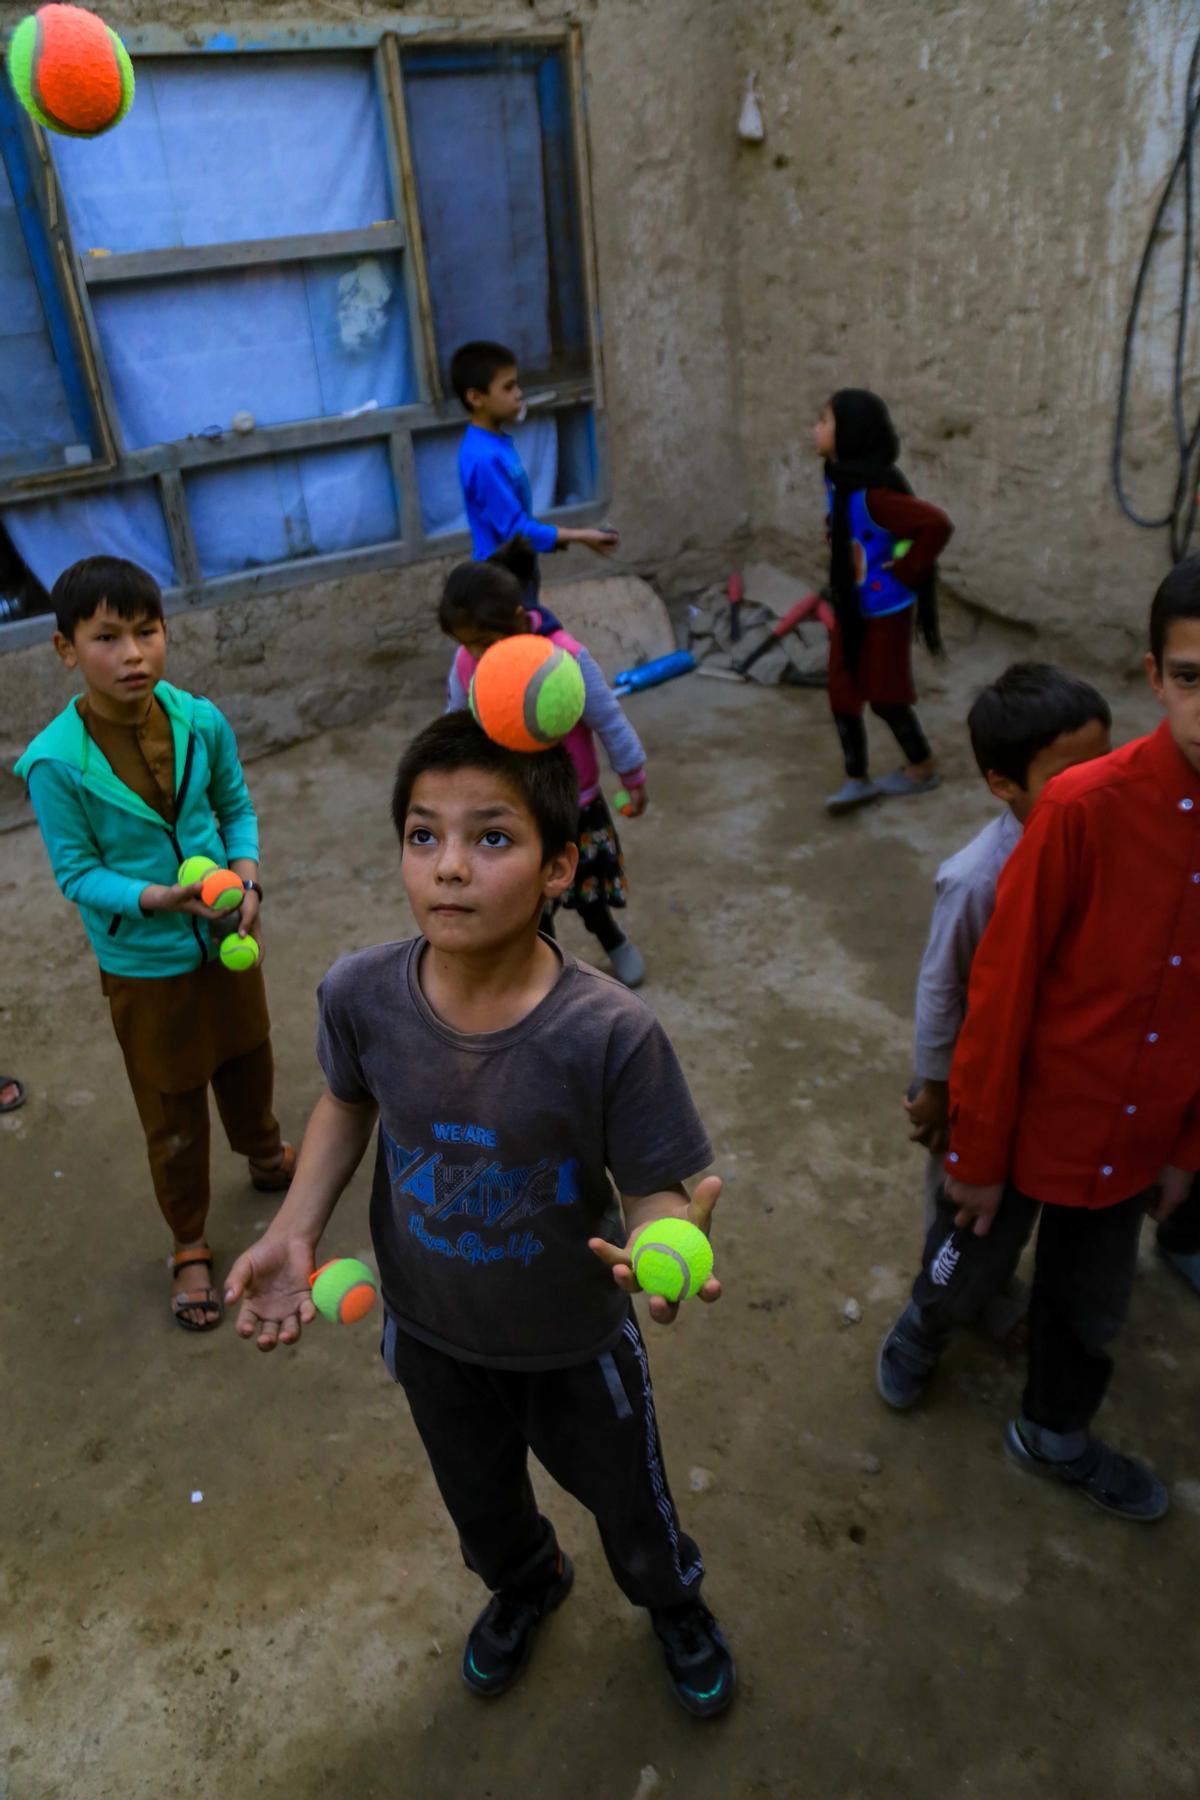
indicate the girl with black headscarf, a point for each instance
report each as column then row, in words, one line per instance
column 884, row 545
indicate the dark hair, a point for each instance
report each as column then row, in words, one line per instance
column 476, row 365
column 545, row 780
column 110, row 581
column 1023, row 711
column 1178, row 597
column 486, row 595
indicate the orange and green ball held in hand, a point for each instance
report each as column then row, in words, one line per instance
column 671, row 1257
column 70, row 72
column 527, row 693
column 343, row 1291
column 222, row 890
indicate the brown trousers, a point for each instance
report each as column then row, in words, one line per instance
column 179, row 1034
column 177, row 1134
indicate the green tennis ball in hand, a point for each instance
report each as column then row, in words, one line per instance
column 194, row 868
column 343, row 1291
column 238, row 953
column 672, row 1257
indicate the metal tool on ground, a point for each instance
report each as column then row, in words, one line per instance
column 737, row 593
column 814, row 605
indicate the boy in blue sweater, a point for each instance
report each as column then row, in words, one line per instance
column 132, row 777
column 495, row 487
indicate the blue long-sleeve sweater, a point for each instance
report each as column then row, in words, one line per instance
column 496, row 490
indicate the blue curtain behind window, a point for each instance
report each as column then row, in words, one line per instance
column 219, row 149
column 223, row 149
column 477, row 153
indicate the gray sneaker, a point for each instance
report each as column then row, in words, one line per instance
column 1119, row 1484
column 628, row 963
column 852, row 793
column 899, row 784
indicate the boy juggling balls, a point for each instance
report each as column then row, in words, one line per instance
column 504, row 1253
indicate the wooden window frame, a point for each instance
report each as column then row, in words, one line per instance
column 397, row 427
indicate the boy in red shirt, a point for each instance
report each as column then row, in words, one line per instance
column 1075, row 1086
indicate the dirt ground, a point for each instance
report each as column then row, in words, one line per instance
column 911, row 1615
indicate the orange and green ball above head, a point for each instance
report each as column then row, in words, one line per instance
column 527, row 693
column 70, row 71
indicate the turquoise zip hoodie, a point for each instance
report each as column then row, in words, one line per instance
column 106, row 845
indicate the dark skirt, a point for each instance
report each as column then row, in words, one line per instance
column 884, row 675
column 600, row 877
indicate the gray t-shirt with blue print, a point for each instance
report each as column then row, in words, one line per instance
column 498, row 1152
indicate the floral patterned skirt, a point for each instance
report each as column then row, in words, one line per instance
column 600, row 877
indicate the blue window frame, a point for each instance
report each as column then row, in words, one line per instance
column 269, row 265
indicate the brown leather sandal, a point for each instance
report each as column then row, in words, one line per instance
column 274, row 1180
column 206, row 1300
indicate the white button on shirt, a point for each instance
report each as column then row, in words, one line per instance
column 1107, row 1169
column 1186, row 805
column 1175, row 961
column 1152, row 1037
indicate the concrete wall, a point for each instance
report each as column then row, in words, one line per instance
column 949, row 207
column 659, row 85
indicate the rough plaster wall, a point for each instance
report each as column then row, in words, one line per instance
column 661, row 85
column 949, row 207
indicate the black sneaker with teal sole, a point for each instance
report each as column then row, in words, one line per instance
column 501, row 1639
column 699, row 1663
column 1119, row 1484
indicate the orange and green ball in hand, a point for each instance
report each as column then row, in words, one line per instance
column 71, row 73
column 222, row 890
column 343, row 1290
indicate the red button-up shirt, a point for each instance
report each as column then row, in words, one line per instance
column 1077, row 1072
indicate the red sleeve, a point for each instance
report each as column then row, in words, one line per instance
column 1036, row 891
column 907, row 517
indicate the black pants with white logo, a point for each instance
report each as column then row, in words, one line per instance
column 591, row 1426
column 1082, row 1282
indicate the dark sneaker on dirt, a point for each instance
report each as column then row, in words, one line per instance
column 701, row 1669
column 906, row 1364
column 501, row 1639
column 1119, row 1484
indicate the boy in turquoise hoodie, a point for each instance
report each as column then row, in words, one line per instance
column 132, row 777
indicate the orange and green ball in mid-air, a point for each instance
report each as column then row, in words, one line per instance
column 344, row 1290
column 71, row 73
column 527, row 693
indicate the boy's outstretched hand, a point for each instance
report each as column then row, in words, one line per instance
column 271, row 1281
column 698, row 1211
